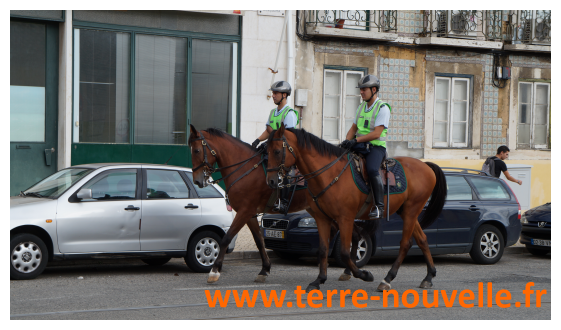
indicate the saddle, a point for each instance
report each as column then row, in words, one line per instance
column 360, row 165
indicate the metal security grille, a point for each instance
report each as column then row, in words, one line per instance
column 275, row 223
column 274, row 244
column 300, row 246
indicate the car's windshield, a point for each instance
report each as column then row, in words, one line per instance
column 54, row 185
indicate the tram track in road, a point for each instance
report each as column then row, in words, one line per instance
column 233, row 304
column 339, row 311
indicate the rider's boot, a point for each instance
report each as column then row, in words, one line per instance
column 377, row 186
column 281, row 205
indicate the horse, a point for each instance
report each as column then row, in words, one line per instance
column 324, row 166
column 247, row 191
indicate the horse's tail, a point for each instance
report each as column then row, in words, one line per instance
column 437, row 198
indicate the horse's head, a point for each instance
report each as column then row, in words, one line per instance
column 202, row 157
column 282, row 156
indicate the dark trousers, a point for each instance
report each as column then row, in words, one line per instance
column 374, row 156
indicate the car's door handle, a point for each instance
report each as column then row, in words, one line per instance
column 473, row 208
column 132, row 208
column 191, row 206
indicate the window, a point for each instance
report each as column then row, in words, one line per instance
column 56, row 184
column 165, row 184
column 215, row 67
column 490, row 189
column 341, row 99
column 161, row 90
column 451, row 112
column 27, row 81
column 458, row 189
column 147, row 100
column 101, row 86
column 533, row 115
column 206, row 192
column 113, row 185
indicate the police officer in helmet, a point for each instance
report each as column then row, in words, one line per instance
column 283, row 113
column 368, row 136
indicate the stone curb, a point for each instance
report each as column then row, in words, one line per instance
column 236, row 255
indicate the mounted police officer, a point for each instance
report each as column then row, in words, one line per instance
column 283, row 113
column 368, row 136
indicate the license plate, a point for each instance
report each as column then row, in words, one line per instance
column 541, row 242
column 274, row 233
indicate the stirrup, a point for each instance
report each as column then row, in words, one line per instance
column 280, row 207
column 376, row 213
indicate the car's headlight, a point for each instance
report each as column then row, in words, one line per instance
column 523, row 220
column 307, row 222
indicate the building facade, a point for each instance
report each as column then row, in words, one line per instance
column 124, row 86
column 460, row 83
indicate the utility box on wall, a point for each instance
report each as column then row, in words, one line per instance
column 301, row 98
column 521, row 172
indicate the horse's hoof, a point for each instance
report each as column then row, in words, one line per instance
column 311, row 287
column 213, row 277
column 384, row 286
column 369, row 276
column 261, row 278
column 344, row 277
column 425, row 285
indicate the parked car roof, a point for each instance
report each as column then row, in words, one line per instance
column 100, row 165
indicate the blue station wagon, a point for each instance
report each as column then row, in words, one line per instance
column 481, row 216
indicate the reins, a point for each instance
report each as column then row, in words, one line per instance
column 209, row 169
column 282, row 170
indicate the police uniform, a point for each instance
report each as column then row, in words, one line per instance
column 286, row 115
column 366, row 120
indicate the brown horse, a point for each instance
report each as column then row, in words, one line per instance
column 248, row 195
column 343, row 200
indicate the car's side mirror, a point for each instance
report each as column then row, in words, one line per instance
column 84, row 194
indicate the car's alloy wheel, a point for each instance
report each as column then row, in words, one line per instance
column 207, row 250
column 488, row 245
column 363, row 251
column 202, row 251
column 28, row 257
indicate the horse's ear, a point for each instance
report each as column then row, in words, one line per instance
column 281, row 129
column 193, row 130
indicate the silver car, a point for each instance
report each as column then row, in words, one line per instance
column 152, row 212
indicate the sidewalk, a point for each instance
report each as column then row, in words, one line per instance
column 246, row 248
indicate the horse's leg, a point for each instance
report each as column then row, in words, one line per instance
column 406, row 242
column 355, row 239
column 239, row 221
column 323, row 230
column 253, row 225
column 421, row 239
column 345, row 235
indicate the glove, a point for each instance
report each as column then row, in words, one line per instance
column 347, row 144
column 263, row 146
column 255, row 143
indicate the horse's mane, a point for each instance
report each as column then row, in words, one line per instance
column 308, row 140
column 220, row 133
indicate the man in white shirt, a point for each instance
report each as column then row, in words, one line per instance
column 283, row 113
column 367, row 136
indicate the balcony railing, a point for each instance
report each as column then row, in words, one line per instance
column 365, row 20
column 508, row 26
column 529, row 27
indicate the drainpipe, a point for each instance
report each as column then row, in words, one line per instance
column 275, row 70
column 291, row 59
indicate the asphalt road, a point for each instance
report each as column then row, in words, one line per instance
column 132, row 290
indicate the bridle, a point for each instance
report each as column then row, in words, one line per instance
column 282, row 170
column 209, row 169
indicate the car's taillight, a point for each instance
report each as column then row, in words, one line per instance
column 519, row 209
column 229, row 208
